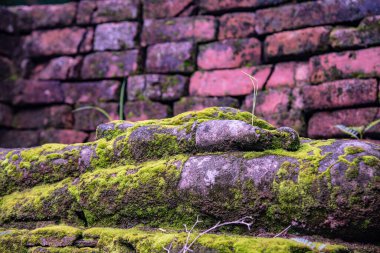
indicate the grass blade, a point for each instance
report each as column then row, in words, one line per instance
column 254, row 94
column 348, row 130
column 122, row 100
column 90, row 107
column 372, row 124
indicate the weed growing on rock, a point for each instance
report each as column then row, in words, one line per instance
column 359, row 131
column 254, row 94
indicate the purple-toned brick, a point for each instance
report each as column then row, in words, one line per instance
column 143, row 110
column 237, row 25
column 115, row 36
column 199, row 103
column 37, row 92
column 165, row 8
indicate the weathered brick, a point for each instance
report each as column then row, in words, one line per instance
column 200, row 29
column 199, row 103
column 143, row 110
column 6, row 90
column 44, row 16
column 115, row 36
column 86, row 45
column 54, row 116
column 232, row 53
column 222, row 5
column 85, row 10
column 156, row 87
column 283, row 75
column 65, row 136
column 302, row 75
column 60, row 68
column 171, row 57
column 115, row 10
column 237, row 25
column 350, row 92
column 5, row 115
column 88, row 120
column 360, row 63
column 109, row 64
column 230, row 82
column 18, row 139
column 366, row 34
column 304, row 41
column 37, row 92
column 59, row 41
column 8, row 21
column 7, row 69
column 91, row 92
column 312, row 14
column 165, row 8
column 322, row 124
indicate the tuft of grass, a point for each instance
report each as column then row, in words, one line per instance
column 358, row 131
column 254, row 94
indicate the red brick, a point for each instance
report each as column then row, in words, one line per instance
column 363, row 63
column 230, row 82
column 283, row 75
column 199, row 103
column 37, row 92
column 5, row 115
column 200, row 29
column 18, row 139
column 237, row 25
column 44, row 16
column 313, row 13
column 322, row 124
column 302, row 75
column 85, row 11
column 143, row 110
column 156, row 87
column 60, row 68
column 91, row 92
column 65, row 136
column 86, row 45
column 342, row 93
column 60, row 41
column 88, row 120
column 366, row 34
column 55, row 116
column 171, row 57
column 222, row 5
column 165, row 8
column 115, row 10
column 231, row 53
column 109, row 64
column 115, row 36
column 7, row 69
column 305, row 41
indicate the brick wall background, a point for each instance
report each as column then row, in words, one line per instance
column 317, row 62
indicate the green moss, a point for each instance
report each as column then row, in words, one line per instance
column 15, row 157
column 57, row 231
column 62, row 250
column 351, row 150
column 371, row 161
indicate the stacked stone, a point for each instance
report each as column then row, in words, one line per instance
column 179, row 55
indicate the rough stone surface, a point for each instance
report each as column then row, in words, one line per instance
column 237, row 25
column 366, row 34
column 60, row 68
column 37, row 92
column 109, row 64
column 198, row 103
column 115, row 36
column 340, row 93
column 43, row 16
column 200, row 29
column 304, row 41
column 221, row 5
column 322, row 124
column 5, row 115
column 171, row 57
column 52, row 42
column 227, row 82
column 143, row 110
column 90, row 92
column 312, row 14
column 115, row 10
column 360, row 63
column 233, row 53
column 55, row 116
column 7, row 69
column 156, row 87
column 16, row 138
column 165, row 8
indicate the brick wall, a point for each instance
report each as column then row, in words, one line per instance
column 317, row 63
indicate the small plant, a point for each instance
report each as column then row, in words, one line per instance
column 254, row 94
column 359, row 131
column 102, row 111
column 246, row 221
